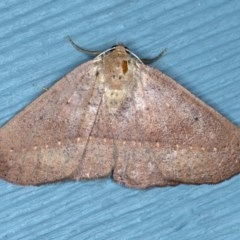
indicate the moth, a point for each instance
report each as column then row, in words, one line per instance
column 114, row 115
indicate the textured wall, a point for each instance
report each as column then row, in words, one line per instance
column 203, row 44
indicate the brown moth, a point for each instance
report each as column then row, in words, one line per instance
column 116, row 115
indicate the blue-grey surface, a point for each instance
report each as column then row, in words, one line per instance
column 203, row 41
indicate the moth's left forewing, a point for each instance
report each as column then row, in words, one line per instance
column 47, row 140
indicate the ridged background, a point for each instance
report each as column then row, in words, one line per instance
column 203, row 41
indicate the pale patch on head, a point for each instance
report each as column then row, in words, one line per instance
column 114, row 97
column 116, row 71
